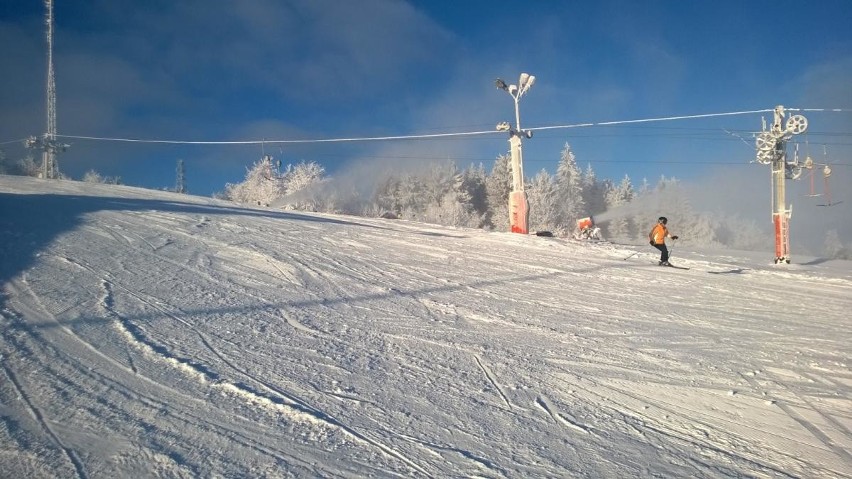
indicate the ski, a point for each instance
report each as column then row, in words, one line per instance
column 673, row 266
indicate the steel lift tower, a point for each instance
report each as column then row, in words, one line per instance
column 48, row 144
column 772, row 150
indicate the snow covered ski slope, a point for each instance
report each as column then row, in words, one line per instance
column 149, row 334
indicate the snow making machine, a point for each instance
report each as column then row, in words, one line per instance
column 586, row 229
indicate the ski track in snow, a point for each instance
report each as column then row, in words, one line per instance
column 36, row 414
column 490, row 376
column 169, row 336
column 275, row 398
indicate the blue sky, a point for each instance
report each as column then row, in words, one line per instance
column 218, row 70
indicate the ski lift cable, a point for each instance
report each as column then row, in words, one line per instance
column 837, row 110
column 438, row 135
column 648, row 120
column 255, row 142
column 12, row 141
column 406, row 137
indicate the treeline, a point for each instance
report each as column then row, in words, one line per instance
column 441, row 193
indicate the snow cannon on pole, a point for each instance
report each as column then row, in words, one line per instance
column 519, row 212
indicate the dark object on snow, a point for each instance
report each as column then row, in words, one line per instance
column 389, row 216
column 547, row 234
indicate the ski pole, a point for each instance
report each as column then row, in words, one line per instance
column 631, row 255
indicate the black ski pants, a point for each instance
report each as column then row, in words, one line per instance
column 664, row 252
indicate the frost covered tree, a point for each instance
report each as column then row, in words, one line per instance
column 453, row 209
column 406, row 196
column 645, row 188
column 694, row 228
column 617, row 197
column 23, row 167
column 438, row 180
column 439, row 194
column 625, row 189
column 300, row 185
column 473, row 182
column 302, row 176
column 386, row 197
column 410, row 196
column 670, row 199
column 699, row 228
column 543, row 203
column 443, row 198
column 28, row 167
column 262, row 185
column 569, row 187
column 593, row 192
column 93, row 176
column 498, row 185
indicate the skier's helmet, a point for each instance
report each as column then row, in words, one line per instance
column 663, row 220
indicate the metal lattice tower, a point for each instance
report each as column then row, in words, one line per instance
column 49, row 165
column 48, row 144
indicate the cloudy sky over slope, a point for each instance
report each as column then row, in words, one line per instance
column 224, row 71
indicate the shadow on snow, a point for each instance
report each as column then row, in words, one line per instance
column 30, row 222
column 246, row 309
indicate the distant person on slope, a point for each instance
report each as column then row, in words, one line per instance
column 657, row 236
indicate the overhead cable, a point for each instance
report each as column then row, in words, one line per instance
column 438, row 135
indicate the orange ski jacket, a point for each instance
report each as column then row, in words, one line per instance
column 659, row 233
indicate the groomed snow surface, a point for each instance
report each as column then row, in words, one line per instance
column 150, row 334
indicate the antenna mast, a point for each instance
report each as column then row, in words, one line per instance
column 48, row 145
column 49, row 157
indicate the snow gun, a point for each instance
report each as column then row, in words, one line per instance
column 586, row 229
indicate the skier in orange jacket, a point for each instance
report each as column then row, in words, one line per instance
column 657, row 237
